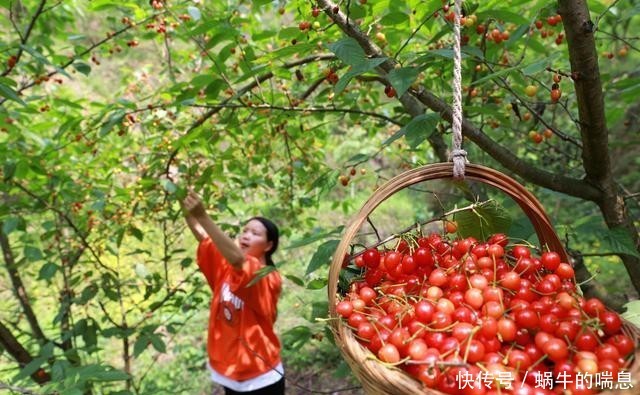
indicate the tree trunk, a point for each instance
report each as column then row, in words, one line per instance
column 593, row 124
column 18, row 287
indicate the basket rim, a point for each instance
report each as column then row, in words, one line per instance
column 531, row 207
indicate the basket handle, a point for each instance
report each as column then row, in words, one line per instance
column 525, row 199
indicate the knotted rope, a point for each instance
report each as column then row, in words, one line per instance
column 458, row 155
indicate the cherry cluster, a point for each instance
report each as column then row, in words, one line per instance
column 441, row 308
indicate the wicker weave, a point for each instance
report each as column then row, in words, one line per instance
column 374, row 376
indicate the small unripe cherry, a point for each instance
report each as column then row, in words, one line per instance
column 451, row 226
column 622, row 52
column 531, row 90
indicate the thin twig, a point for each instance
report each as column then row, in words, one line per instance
column 24, row 38
column 300, row 109
column 19, row 390
column 624, row 40
column 169, row 59
column 68, row 220
column 374, row 228
column 597, row 22
column 407, row 229
column 413, row 33
column 631, row 196
column 83, row 53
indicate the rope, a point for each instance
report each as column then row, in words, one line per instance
column 458, row 155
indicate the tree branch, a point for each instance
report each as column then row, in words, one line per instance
column 19, row 289
column 69, row 222
column 25, row 37
column 83, row 53
column 300, row 109
column 504, row 156
column 202, row 119
column 20, row 354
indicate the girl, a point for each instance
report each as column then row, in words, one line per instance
column 244, row 351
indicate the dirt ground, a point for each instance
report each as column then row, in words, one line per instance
column 303, row 384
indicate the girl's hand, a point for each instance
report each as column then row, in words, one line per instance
column 192, row 205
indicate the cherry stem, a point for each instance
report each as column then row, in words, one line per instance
column 417, row 225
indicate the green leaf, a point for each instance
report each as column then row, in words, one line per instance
column 168, row 186
column 297, row 337
column 42, row 59
column 287, row 51
column 322, row 256
column 7, row 92
column 619, row 241
column 32, row 253
column 90, row 333
column 47, row 271
column 417, row 130
column 10, row 224
column 82, row 67
column 360, row 68
column 536, row 67
column 22, row 170
column 632, row 313
column 495, row 75
column 30, row 368
column 158, row 343
column 503, row 15
column 312, row 238
column 101, row 373
column 296, row 280
column 348, row 50
column 137, row 233
column 317, row 283
column 87, row 294
column 259, row 274
column 194, row 12
column 260, row 3
column 140, row 345
column 394, row 18
column 482, row 221
column 186, row 262
column 347, row 277
column 402, row 78
column 114, row 119
column 319, row 310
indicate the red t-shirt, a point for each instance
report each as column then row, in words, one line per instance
column 241, row 341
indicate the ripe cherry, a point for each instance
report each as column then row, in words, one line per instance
column 344, row 308
column 389, row 91
column 389, row 353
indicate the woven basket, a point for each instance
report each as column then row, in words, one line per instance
column 374, row 376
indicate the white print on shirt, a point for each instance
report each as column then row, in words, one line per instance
column 230, row 303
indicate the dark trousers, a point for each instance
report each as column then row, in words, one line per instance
column 276, row 388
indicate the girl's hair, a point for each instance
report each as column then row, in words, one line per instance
column 272, row 235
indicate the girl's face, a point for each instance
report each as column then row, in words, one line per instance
column 253, row 239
